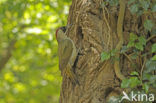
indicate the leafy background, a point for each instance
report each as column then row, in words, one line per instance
column 31, row 75
column 140, row 46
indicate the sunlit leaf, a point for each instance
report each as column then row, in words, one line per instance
column 130, row 44
column 105, row 56
column 154, row 57
column 135, row 73
column 125, row 83
column 134, row 81
column 133, row 37
column 139, row 46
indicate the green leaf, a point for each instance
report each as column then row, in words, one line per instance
column 145, row 4
column 153, row 32
column 146, row 87
column 142, row 40
column 133, row 37
column 154, row 57
column 113, row 2
column 154, row 8
column 154, row 85
column 134, row 8
column 152, row 79
column 148, row 24
column 113, row 52
column 154, row 48
column 150, row 65
column 131, row 1
column 124, row 49
column 148, row 76
column 130, row 44
column 134, row 81
column 139, row 46
column 140, row 12
column 125, row 83
column 135, row 73
column 105, row 56
column 134, row 56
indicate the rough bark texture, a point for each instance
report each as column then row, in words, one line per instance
column 94, row 30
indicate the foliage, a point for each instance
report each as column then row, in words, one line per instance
column 144, row 76
column 107, row 55
column 31, row 75
column 137, row 42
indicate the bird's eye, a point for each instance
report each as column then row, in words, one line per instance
column 64, row 29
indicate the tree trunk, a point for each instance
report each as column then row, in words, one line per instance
column 93, row 29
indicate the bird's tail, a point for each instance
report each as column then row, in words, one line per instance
column 70, row 73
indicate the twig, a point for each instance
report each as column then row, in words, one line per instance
column 128, row 58
column 151, row 37
column 142, row 68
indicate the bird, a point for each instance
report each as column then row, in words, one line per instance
column 67, row 53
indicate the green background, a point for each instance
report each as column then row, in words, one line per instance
column 31, row 75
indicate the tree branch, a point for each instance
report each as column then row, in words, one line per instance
column 5, row 58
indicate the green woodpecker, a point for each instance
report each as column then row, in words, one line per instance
column 67, row 54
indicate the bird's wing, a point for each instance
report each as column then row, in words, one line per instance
column 65, row 51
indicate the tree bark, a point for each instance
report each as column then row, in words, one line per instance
column 93, row 29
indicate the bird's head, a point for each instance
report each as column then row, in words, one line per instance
column 60, row 32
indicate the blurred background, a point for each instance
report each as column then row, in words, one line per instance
column 28, row 50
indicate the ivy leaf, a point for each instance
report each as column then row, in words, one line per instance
column 130, row 44
column 105, row 56
column 142, row 40
column 154, row 48
column 154, row 8
column 154, row 57
column 134, row 8
column 113, row 52
column 125, row 83
column 151, row 78
column 146, row 87
column 148, row 24
column 135, row 73
column 145, row 4
column 124, row 49
column 139, row 46
column 133, row 37
column 131, row 1
column 146, row 76
column 134, row 81
column 150, row 65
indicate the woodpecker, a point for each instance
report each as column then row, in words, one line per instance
column 67, row 54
